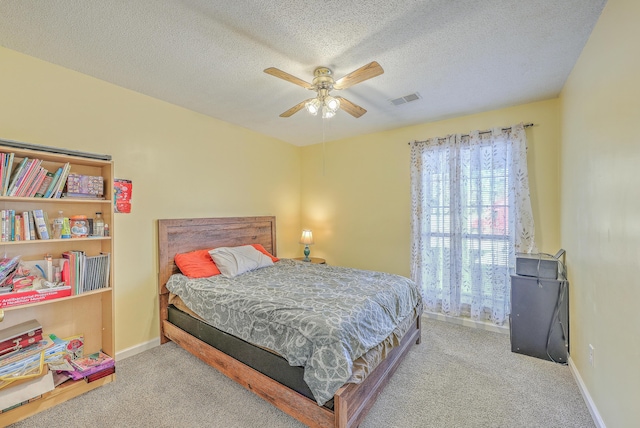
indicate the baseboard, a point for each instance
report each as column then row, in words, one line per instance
column 482, row 325
column 130, row 352
column 595, row 415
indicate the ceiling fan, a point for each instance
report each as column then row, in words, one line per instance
column 323, row 83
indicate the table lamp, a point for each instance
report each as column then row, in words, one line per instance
column 306, row 239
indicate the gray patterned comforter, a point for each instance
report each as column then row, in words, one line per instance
column 316, row 316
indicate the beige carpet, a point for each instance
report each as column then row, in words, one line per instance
column 457, row 377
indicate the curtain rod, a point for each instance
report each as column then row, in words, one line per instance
column 488, row 131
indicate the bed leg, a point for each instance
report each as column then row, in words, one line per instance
column 164, row 315
column 419, row 339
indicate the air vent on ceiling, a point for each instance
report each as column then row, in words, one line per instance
column 406, row 99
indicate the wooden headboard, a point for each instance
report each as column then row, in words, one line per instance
column 189, row 234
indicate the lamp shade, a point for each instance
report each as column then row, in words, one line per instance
column 307, row 237
column 313, row 106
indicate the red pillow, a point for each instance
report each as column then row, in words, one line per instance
column 260, row 248
column 196, row 264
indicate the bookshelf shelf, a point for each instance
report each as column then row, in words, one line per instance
column 56, row 201
column 91, row 313
column 62, row 393
column 54, row 241
column 59, row 300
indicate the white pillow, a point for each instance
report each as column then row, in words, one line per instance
column 232, row 261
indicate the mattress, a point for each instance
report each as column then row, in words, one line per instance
column 321, row 318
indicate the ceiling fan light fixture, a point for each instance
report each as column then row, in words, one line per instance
column 327, row 113
column 332, row 103
column 323, row 83
column 313, row 106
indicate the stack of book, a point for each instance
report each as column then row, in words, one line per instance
column 24, row 226
column 24, row 374
column 30, row 179
column 93, row 367
column 86, row 273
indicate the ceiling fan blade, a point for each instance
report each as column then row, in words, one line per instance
column 365, row 72
column 293, row 110
column 288, row 77
column 351, row 108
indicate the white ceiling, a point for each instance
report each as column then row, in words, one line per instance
column 461, row 56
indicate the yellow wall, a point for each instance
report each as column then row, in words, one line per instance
column 356, row 191
column 600, row 211
column 182, row 164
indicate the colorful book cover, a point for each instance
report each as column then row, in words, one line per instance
column 12, row 225
column 41, row 224
column 17, row 225
column 85, row 184
column 91, row 364
column 16, row 175
column 8, row 164
column 28, row 177
column 30, row 192
column 26, row 226
column 32, row 227
column 53, row 183
column 63, row 180
column 44, row 185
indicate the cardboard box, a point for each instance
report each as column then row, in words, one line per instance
column 33, row 296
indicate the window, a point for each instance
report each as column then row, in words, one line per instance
column 467, row 196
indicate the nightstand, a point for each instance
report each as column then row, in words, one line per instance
column 314, row 260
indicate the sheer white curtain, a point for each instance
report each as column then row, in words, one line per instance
column 470, row 214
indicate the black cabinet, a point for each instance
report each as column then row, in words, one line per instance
column 539, row 320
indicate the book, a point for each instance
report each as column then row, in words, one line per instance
column 3, row 158
column 52, row 184
column 6, row 171
column 44, row 185
column 62, row 181
column 18, row 227
column 72, row 274
column 41, row 173
column 26, row 226
column 3, row 223
column 42, row 231
column 98, row 360
column 30, row 174
column 85, row 184
column 100, row 374
column 18, row 172
column 91, row 364
column 12, row 223
column 32, row 227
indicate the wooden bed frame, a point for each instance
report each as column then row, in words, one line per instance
column 351, row 402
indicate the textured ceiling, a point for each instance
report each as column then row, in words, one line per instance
column 462, row 56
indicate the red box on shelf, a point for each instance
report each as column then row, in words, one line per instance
column 32, row 296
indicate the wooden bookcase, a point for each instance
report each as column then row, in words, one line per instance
column 91, row 313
